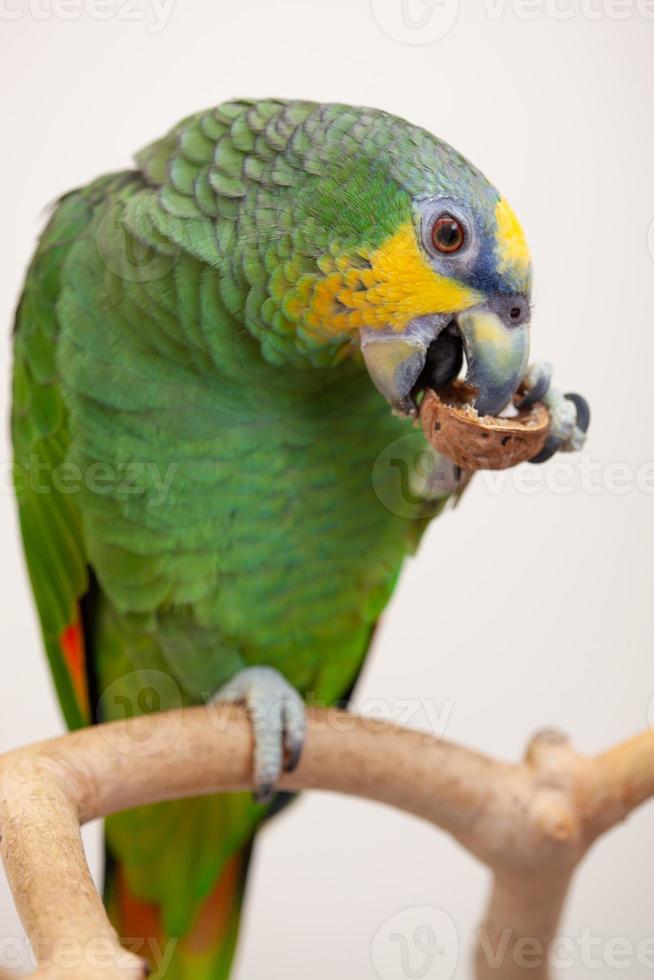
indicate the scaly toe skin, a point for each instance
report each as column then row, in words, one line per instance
column 537, row 379
column 566, row 433
column 278, row 719
column 569, row 413
column 563, row 414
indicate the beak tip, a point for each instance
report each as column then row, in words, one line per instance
column 492, row 403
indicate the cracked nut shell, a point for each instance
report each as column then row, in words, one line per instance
column 480, row 442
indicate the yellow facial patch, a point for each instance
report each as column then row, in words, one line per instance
column 398, row 285
column 512, row 248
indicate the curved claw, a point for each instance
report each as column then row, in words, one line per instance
column 292, row 757
column 549, row 449
column 583, row 409
column 264, row 793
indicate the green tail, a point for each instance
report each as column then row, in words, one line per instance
column 177, row 945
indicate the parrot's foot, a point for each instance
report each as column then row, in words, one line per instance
column 277, row 714
column 569, row 413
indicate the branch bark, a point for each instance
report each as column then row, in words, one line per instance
column 531, row 823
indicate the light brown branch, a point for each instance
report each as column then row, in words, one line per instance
column 531, row 823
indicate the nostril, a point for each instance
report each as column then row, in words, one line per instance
column 512, row 309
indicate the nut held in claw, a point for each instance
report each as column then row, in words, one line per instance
column 480, row 442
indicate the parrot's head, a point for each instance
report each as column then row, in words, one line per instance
column 403, row 251
column 453, row 286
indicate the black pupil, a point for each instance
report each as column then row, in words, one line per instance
column 515, row 312
column 449, row 233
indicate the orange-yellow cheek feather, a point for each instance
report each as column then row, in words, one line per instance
column 398, row 286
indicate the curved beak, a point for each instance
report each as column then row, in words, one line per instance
column 494, row 338
column 497, row 355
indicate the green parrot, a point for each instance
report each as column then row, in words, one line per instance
column 213, row 350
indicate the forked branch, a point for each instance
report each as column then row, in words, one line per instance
column 531, row 823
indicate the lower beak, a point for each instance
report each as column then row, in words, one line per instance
column 496, row 351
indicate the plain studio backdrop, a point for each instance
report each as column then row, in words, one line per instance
column 531, row 604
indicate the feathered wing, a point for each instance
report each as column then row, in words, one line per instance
column 49, row 520
column 51, row 526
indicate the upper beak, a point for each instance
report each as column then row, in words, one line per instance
column 494, row 337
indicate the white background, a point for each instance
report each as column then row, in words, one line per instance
column 521, row 609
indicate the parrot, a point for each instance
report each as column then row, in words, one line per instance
column 212, row 351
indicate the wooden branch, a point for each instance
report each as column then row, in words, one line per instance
column 531, row 823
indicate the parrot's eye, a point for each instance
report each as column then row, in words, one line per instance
column 448, row 234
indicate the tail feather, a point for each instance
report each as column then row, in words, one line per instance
column 206, row 951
